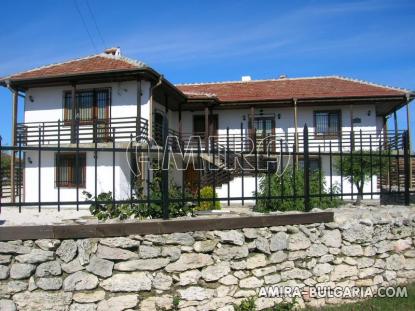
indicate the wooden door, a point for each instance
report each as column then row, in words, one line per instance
column 265, row 131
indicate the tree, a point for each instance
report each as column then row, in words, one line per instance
column 359, row 167
column 291, row 184
column 5, row 164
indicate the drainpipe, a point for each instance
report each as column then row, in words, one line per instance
column 150, row 120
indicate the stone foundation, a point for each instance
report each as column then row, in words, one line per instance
column 209, row 270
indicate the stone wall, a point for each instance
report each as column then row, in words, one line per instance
column 208, row 270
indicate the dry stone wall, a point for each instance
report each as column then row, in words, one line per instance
column 208, row 270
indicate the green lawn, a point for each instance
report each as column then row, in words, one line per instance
column 379, row 304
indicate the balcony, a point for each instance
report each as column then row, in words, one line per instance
column 344, row 141
column 82, row 132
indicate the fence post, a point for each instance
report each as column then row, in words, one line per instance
column 407, row 159
column 306, row 170
column 165, row 170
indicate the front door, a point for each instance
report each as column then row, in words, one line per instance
column 199, row 126
column 265, row 129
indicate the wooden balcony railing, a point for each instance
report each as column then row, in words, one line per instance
column 52, row 133
column 286, row 142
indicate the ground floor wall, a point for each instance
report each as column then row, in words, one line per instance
column 125, row 166
column 339, row 184
column 104, row 178
column 210, row 270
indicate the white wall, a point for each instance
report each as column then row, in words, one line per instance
column 235, row 185
column 49, row 193
column 47, row 106
column 233, row 118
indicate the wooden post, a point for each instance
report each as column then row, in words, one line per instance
column 351, row 128
column 180, row 122
column 14, row 143
column 295, row 132
column 252, row 122
column 138, row 121
column 385, row 131
column 74, row 112
column 206, row 128
column 407, row 160
column 395, row 121
column 166, row 104
column 408, row 126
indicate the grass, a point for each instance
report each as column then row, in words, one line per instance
column 379, row 304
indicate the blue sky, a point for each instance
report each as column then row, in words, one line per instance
column 193, row 41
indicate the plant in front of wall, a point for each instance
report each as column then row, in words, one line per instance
column 359, row 167
column 105, row 209
column 287, row 191
column 143, row 209
column 247, row 304
column 208, row 194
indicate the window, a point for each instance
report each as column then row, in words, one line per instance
column 327, row 122
column 314, row 164
column 92, row 104
column 67, row 174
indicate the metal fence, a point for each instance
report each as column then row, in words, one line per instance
column 298, row 173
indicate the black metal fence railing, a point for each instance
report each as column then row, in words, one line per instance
column 135, row 179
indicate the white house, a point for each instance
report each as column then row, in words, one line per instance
column 118, row 99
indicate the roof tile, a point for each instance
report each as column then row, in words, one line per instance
column 92, row 64
column 286, row 89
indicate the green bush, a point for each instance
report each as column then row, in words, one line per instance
column 207, row 192
column 107, row 210
column 140, row 210
column 277, row 185
column 248, row 304
column 5, row 162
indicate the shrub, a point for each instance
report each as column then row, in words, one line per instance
column 207, row 192
column 5, row 162
column 247, row 304
column 283, row 185
column 107, row 210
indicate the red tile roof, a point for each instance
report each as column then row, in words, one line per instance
column 92, row 64
column 287, row 89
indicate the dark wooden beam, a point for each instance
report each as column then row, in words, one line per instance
column 395, row 121
column 206, row 128
column 408, row 128
column 138, row 125
column 252, row 127
column 74, row 113
column 180, row 122
column 158, row 226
